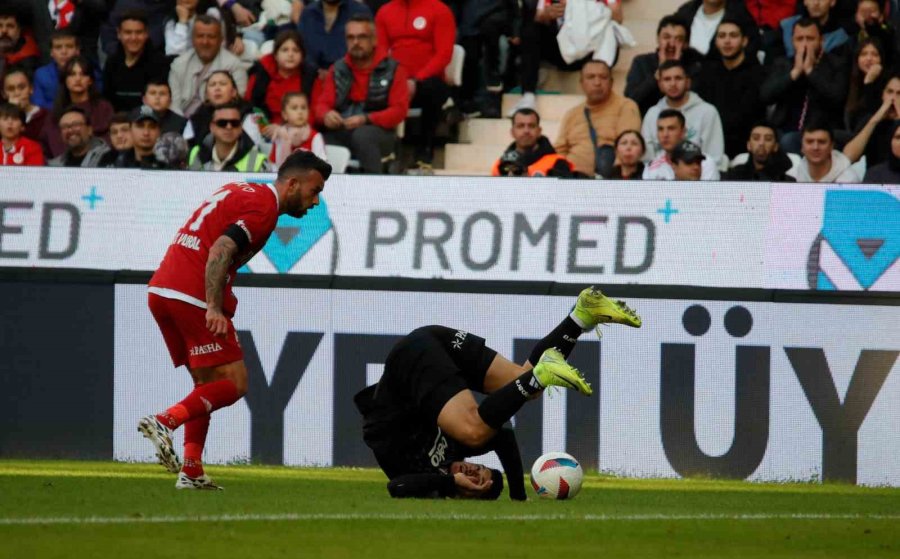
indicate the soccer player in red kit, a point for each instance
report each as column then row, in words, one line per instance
column 191, row 300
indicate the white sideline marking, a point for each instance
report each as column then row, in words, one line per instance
column 414, row 517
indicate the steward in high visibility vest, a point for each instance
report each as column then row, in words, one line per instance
column 540, row 161
column 226, row 135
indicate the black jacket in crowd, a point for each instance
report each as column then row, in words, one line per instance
column 734, row 9
column 123, row 85
column 775, row 170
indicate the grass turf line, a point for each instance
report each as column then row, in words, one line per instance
column 293, row 512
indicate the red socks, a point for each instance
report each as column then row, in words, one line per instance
column 203, row 400
column 194, row 440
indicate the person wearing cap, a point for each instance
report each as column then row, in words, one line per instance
column 144, row 133
column 671, row 132
column 687, row 161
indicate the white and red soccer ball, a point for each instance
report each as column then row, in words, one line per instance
column 556, row 475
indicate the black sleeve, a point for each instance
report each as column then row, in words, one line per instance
column 422, row 486
column 507, row 448
column 238, row 235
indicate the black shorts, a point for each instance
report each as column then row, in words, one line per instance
column 430, row 366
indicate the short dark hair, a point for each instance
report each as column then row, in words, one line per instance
column 6, row 13
column 9, row 110
column 120, row 117
column 674, row 21
column 672, row 113
column 289, row 35
column 669, row 64
column 526, row 112
column 764, row 124
column 157, row 81
column 18, row 69
column 817, row 125
column 360, row 17
column 74, row 109
column 496, row 489
column 292, row 95
column 603, row 62
column 235, row 104
column 302, row 160
column 732, row 21
column 807, row 22
column 64, row 33
column 133, row 15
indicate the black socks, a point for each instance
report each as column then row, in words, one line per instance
column 563, row 338
column 498, row 407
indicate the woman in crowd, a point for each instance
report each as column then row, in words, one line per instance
column 78, row 89
column 867, row 79
column 220, row 89
column 630, row 148
column 18, row 89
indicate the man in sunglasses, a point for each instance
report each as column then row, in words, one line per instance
column 530, row 153
column 227, row 147
column 191, row 299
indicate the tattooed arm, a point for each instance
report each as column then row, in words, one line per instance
column 221, row 255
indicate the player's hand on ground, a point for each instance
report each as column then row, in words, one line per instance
column 465, row 484
column 216, row 322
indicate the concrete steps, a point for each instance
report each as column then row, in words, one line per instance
column 496, row 130
column 468, row 158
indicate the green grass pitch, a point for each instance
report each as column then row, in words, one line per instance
column 93, row 509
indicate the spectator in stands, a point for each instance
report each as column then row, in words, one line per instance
column 705, row 17
column 672, row 38
column 63, row 46
column 77, row 90
column 630, row 149
column 730, row 82
column 178, row 30
column 541, row 21
column 296, row 132
column 765, row 162
column 887, row 172
column 832, row 29
column 133, row 64
column 120, row 132
column 867, row 79
column 419, row 35
column 17, row 47
column 221, row 89
column 704, row 126
column 588, row 131
column 17, row 90
column 191, row 70
column 872, row 139
column 82, row 148
column 811, row 84
column 278, row 74
column 821, row 162
column 671, row 130
column 480, row 26
column 322, row 28
column 81, row 19
column 16, row 148
column 227, row 147
column 363, row 99
column 687, row 161
column 144, row 134
column 159, row 98
column 157, row 12
column 872, row 23
column 530, row 154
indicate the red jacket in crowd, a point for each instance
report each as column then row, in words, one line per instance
column 768, row 13
column 28, row 49
column 398, row 96
column 24, row 152
column 276, row 88
column 419, row 34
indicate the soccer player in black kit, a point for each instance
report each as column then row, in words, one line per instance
column 421, row 419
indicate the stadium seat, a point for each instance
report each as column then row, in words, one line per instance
column 339, row 157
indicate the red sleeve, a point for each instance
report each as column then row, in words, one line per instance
column 398, row 103
column 251, row 81
column 323, row 97
column 381, row 33
column 444, row 38
column 34, row 155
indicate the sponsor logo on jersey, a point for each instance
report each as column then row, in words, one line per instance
column 859, row 246
column 204, row 349
column 438, row 449
column 458, row 339
column 187, row 241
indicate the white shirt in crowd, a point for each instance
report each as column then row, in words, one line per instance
column 703, row 29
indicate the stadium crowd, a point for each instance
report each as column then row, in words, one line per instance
column 774, row 90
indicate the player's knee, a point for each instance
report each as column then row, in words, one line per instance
column 476, row 432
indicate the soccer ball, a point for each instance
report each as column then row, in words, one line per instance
column 556, row 475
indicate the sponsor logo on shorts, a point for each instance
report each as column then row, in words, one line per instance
column 458, row 339
column 187, row 241
column 206, row 404
column 204, row 349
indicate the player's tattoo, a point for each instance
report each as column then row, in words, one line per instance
column 221, row 255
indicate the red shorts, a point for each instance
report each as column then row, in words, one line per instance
column 190, row 342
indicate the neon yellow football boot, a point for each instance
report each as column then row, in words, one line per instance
column 552, row 370
column 593, row 308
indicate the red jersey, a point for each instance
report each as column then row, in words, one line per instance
column 182, row 273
